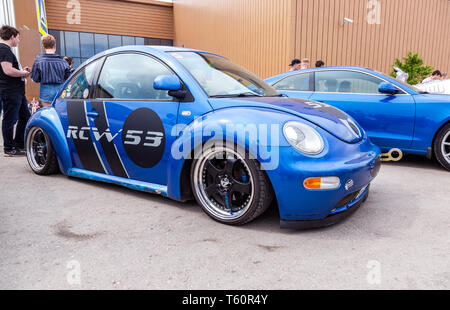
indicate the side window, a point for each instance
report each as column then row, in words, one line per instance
column 346, row 82
column 131, row 76
column 297, row 82
column 79, row 85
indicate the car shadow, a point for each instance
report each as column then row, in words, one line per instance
column 416, row 161
column 270, row 220
column 189, row 205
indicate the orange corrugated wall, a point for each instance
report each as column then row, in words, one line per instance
column 114, row 17
column 255, row 33
column 264, row 35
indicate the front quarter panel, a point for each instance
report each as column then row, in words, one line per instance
column 214, row 126
column 48, row 120
column 433, row 111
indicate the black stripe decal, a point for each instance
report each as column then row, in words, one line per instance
column 106, row 139
column 85, row 147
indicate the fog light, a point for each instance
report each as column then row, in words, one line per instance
column 322, row 183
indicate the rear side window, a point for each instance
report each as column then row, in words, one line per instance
column 131, row 76
column 297, row 82
column 79, row 85
column 346, row 82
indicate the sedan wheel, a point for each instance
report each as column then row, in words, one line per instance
column 442, row 147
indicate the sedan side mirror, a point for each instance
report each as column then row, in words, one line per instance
column 387, row 88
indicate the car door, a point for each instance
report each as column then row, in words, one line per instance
column 132, row 123
column 387, row 119
column 72, row 108
column 300, row 85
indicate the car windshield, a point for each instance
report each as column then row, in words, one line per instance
column 220, row 78
column 403, row 83
column 412, row 87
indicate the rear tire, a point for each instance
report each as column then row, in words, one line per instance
column 441, row 147
column 40, row 153
column 229, row 187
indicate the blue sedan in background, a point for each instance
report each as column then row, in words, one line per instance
column 188, row 124
column 394, row 114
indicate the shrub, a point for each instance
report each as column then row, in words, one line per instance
column 413, row 65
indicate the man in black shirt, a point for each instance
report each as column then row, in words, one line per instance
column 12, row 94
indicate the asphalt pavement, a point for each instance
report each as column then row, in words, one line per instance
column 58, row 232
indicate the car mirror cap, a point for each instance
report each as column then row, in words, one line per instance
column 167, row 82
column 387, row 88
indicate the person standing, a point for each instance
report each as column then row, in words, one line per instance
column 51, row 70
column 436, row 75
column 70, row 62
column 305, row 64
column 295, row 65
column 12, row 93
column 320, row 64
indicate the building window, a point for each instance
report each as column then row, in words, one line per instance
column 83, row 45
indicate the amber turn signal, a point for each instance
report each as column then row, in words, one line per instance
column 322, row 183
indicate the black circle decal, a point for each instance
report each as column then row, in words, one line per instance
column 143, row 138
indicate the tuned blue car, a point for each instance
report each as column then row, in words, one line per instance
column 188, row 124
column 394, row 114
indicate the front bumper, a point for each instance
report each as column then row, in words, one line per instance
column 355, row 164
column 332, row 219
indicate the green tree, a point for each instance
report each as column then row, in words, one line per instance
column 413, row 65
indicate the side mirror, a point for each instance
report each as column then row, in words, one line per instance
column 167, row 82
column 387, row 88
column 171, row 83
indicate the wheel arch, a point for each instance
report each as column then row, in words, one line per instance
column 48, row 120
column 179, row 184
column 447, row 122
column 185, row 177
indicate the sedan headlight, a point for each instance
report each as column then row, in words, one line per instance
column 303, row 137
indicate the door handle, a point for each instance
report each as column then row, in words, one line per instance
column 92, row 114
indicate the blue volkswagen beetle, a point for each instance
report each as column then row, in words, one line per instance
column 188, row 124
column 394, row 114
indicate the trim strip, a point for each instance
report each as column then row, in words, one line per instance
column 135, row 185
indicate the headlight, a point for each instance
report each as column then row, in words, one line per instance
column 303, row 137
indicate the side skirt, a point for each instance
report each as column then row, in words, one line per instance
column 135, row 185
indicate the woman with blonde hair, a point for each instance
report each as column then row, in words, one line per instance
column 49, row 69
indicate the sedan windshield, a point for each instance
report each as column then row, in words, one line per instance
column 402, row 83
column 220, row 78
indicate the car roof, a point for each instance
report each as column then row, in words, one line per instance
column 150, row 49
column 362, row 69
column 278, row 77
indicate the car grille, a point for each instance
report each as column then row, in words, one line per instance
column 347, row 199
column 350, row 198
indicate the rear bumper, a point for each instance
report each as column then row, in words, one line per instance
column 329, row 220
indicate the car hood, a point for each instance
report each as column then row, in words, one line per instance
column 333, row 120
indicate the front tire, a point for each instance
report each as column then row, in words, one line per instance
column 40, row 153
column 442, row 147
column 229, row 187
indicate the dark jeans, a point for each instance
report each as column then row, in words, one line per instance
column 15, row 110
